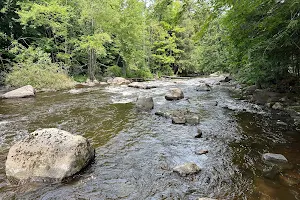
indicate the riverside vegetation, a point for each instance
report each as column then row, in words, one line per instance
column 47, row 43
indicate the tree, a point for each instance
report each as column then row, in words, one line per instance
column 265, row 35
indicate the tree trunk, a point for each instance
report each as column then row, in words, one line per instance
column 91, row 64
column 123, row 68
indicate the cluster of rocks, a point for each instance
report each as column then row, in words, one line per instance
column 267, row 98
column 285, row 103
column 183, row 116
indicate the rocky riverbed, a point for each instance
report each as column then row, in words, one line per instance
column 138, row 153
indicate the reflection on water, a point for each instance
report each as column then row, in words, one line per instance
column 136, row 151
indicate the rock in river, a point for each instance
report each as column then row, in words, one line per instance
column 187, row 168
column 174, row 94
column 118, row 81
column 277, row 106
column 145, row 103
column 178, row 120
column 141, row 85
column 48, row 155
column 199, row 133
column 25, row 91
column 203, row 87
column 274, row 158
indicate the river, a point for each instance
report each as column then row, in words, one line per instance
column 136, row 151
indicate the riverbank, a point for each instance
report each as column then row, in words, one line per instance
column 137, row 151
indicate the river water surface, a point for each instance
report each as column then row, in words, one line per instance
column 136, row 151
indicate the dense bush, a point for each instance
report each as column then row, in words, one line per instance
column 46, row 77
column 35, row 68
column 113, row 71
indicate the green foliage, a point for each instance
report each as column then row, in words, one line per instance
column 255, row 39
column 211, row 53
column 35, row 68
column 265, row 37
column 80, row 78
column 140, row 73
column 115, row 71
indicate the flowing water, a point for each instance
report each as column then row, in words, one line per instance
column 136, row 151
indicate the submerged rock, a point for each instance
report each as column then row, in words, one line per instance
column 281, row 123
column 271, row 172
column 48, row 155
column 22, row 92
column 277, row 106
column 187, row 169
column 274, row 158
column 174, row 94
column 145, row 103
column 290, row 178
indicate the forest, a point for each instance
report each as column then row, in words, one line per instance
column 50, row 43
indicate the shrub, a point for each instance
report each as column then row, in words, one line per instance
column 35, row 68
column 39, row 77
column 80, row 78
column 113, row 71
column 140, row 73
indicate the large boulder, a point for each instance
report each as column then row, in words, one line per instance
column 174, row 94
column 187, row 169
column 118, row 81
column 48, row 155
column 25, row 91
column 274, row 158
column 145, row 103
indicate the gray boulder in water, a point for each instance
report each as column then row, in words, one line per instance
column 22, row 92
column 174, row 94
column 274, row 158
column 48, row 155
column 145, row 103
column 187, row 169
